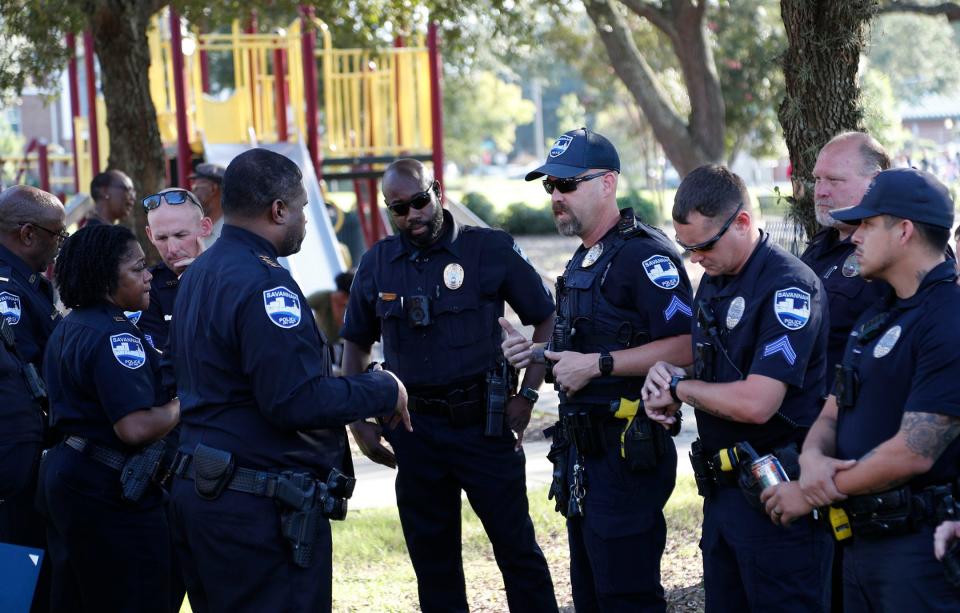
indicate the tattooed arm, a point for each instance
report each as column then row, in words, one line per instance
column 754, row 400
column 912, row 451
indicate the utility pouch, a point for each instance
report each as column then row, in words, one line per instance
column 703, row 472
column 300, row 517
column 884, row 514
column 641, row 447
column 213, row 470
column 559, row 455
column 139, row 471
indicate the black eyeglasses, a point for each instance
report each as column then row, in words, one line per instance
column 61, row 235
column 707, row 245
column 172, row 197
column 565, row 186
column 419, row 201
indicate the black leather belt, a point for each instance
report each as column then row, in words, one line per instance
column 462, row 400
column 104, row 455
column 245, row 480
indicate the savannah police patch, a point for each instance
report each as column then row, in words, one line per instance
column 560, row 146
column 128, row 350
column 661, row 271
column 282, row 307
column 886, row 342
column 10, row 307
column 133, row 316
column 792, row 307
column 735, row 312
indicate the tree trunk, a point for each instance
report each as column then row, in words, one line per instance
column 119, row 31
column 686, row 145
column 825, row 39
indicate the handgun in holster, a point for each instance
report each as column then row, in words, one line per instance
column 305, row 502
column 559, row 456
column 703, row 470
column 140, row 470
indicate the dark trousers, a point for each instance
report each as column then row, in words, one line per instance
column 897, row 573
column 434, row 463
column 749, row 564
column 615, row 548
column 20, row 523
column 106, row 555
column 234, row 557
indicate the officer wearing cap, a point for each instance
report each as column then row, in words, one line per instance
column 623, row 303
column 885, row 447
column 263, row 444
column 206, row 183
column 759, row 341
column 434, row 292
column 177, row 227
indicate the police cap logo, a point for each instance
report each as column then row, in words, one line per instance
column 133, row 316
column 661, row 271
column 792, row 306
column 560, row 146
column 128, row 350
column 10, row 307
column 282, row 307
column 886, row 342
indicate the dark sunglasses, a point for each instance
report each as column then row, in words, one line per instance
column 707, row 245
column 172, row 197
column 565, row 186
column 419, row 201
column 61, row 235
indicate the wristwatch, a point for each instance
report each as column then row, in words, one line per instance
column 530, row 394
column 606, row 363
column 674, row 382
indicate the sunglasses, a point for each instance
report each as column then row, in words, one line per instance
column 172, row 197
column 419, row 201
column 707, row 245
column 565, row 186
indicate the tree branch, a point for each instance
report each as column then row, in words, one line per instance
column 951, row 10
column 654, row 14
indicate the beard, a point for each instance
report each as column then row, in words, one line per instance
column 571, row 227
column 292, row 241
column 825, row 219
column 434, row 227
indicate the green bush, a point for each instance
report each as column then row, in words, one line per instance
column 647, row 211
column 481, row 206
column 521, row 218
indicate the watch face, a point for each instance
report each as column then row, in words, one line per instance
column 529, row 394
column 606, row 364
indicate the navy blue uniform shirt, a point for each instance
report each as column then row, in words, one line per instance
column 99, row 369
column 466, row 275
column 26, row 300
column 155, row 321
column 20, row 415
column 771, row 320
column 252, row 368
column 909, row 365
column 848, row 294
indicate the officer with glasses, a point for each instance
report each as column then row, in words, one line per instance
column 178, row 228
column 113, row 198
column 759, row 339
column 31, row 232
column 623, row 303
column 434, row 292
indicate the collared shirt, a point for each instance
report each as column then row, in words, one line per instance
column 99, row 369
column 155, row 321
column 771, row 321
column 252, row 368
column 26, row 300
column 461, row 281
column 909, row 364
column 848, row 294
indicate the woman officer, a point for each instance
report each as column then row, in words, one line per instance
column 108, row 553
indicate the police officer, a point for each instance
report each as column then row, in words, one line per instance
column 623, row 304
column 177, row 227
column 109, row 544
column 885, row 446
column 434, row 291
column 844, row 169
column 759, row 341
column 31, row 231
column 113, row 198
column 262, row 439
column 206, row 182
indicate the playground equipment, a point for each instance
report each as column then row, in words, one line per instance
column 377, row 105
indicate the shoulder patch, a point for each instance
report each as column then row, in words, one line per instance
column 661, row 271
column 676, row 306
column 792, row 307
column 268, row 261
column 128, row 350
column 282, row 307
column 10, row 307
column 520, row 252
column 782, row 346
column 133, row 316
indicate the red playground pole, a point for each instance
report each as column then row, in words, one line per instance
column 91, row 102
column 436, row 102
column 307, row 46
column 74, row 103
column 180, row 99
column 43, row 166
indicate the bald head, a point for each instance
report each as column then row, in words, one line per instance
column 873, row 156
column 408, row 184
column 845, row 167
column 408, row 170
column 31, row 222
column 24, row 204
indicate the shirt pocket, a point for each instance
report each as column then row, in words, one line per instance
column 461, row 319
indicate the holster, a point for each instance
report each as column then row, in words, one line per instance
column 789, row 457
column 500, row 384
column 559, row 455
column 140, row 470
column 213, row 471
column 703, row 471
column 644, row 443
column 300, row 517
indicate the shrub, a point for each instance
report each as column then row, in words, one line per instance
column 646, row 210
column 521, row 218
column 481, row 206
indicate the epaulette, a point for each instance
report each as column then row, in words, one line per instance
column 268, row 261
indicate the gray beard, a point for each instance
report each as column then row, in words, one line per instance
column 826, row 220
column 569, row 228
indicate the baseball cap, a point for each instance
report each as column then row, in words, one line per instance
column 213, row 172
column 576, row 151
column 906, row 193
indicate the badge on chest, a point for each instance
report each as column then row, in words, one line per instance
column 592, row 255
column 453, row 276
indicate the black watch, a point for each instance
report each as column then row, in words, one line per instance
column 530, row 394
column 606, row 364
column 674, row 382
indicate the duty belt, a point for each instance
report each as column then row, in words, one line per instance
column 98, row 453
column 900, row 511
column 445, row 403
column 245, row 480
